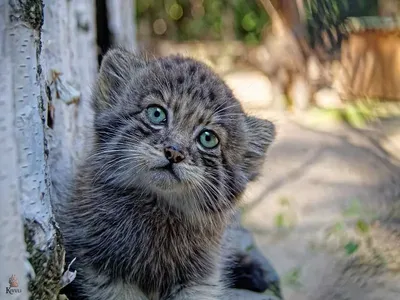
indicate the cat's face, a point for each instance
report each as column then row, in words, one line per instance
column 171, row 127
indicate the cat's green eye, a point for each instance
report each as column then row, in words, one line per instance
column 208, row 139
column 156, row 115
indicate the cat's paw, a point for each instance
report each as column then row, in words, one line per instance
column 247, row 274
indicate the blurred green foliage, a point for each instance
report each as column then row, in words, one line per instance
column 204, row 19
column 245, row 20
column 351, row 247
column 250, row 20
column 326, row 19
column 356, row 112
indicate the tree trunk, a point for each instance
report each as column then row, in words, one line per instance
column 25, row 170
column 289, row 50
column 12, row 247
column 121, row 16
column 48, row 59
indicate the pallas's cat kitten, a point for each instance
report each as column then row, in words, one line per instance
column 171, row 153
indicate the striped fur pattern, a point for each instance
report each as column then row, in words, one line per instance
column 141, row 232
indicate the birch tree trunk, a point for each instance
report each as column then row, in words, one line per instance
column 12, row 247
column 48, row 59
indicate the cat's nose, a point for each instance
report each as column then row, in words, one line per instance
column 174, row 154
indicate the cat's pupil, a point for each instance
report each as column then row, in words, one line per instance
column 208, row 138
column 157, row 114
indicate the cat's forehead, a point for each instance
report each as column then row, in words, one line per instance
column 190, row 90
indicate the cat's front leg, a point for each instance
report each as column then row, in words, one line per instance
column 92, row 285
column 199, row 292
column 208, row 288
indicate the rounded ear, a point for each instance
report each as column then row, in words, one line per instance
column 261, row 133
column 118, row 67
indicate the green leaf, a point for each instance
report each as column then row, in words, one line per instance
column 280, row 220
column 249, row 22
column 362, row 226
column 351, row 247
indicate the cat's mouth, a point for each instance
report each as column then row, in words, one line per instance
column 169, row 168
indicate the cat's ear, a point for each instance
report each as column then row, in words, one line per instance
column 260, row 133
column 117, row 68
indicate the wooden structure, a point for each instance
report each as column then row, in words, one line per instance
column 370, row 59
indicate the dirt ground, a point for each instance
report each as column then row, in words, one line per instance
column 326, row 211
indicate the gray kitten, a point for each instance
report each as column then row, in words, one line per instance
column 171, row 153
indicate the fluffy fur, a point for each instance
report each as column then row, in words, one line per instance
column 139, row 226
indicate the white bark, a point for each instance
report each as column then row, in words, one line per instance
column 69, row 48
column 121, row 20
column 30, row 56
column 12, row 247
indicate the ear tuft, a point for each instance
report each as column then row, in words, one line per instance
column 261, row 134
column 117, row 68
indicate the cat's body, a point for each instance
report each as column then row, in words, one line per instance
column 146, row 245
column 171, row 153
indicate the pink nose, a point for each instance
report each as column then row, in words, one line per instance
column 173, row 154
